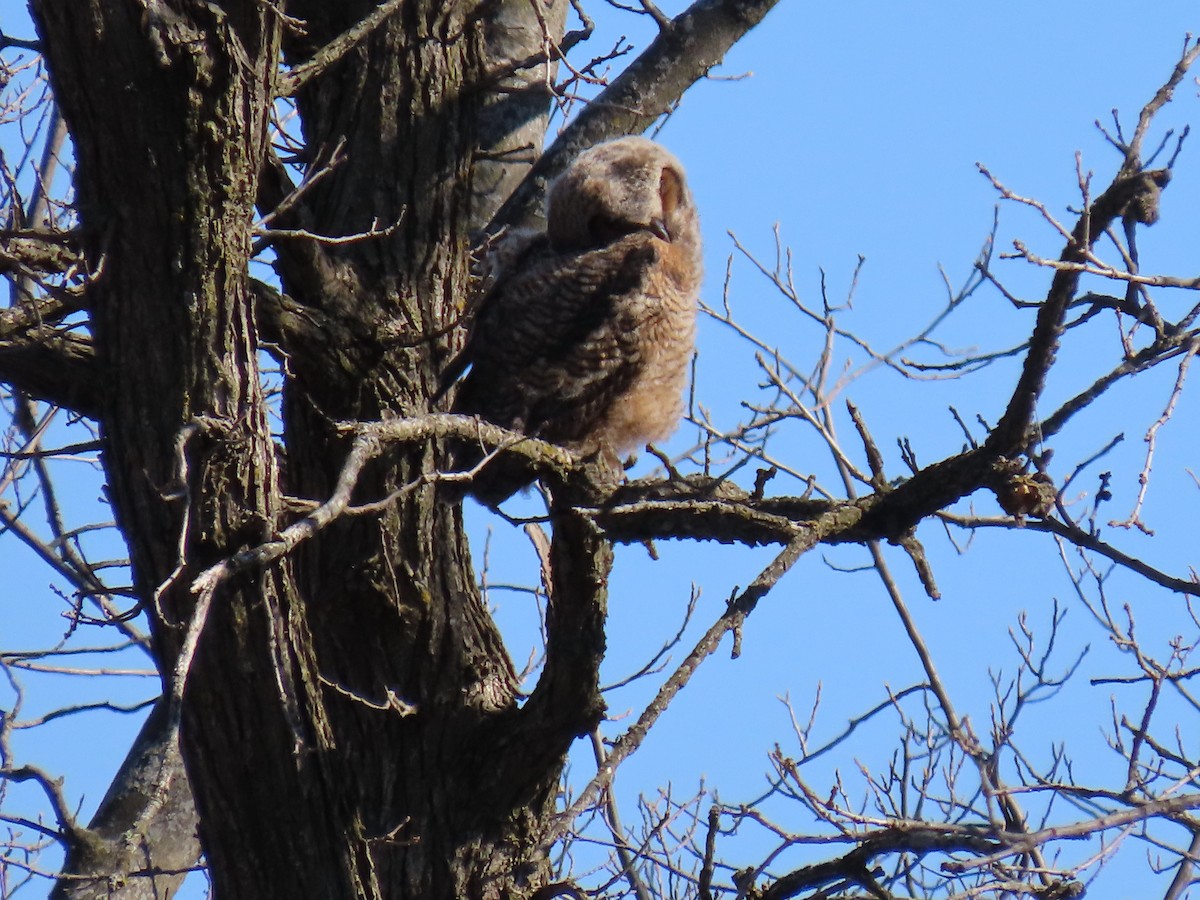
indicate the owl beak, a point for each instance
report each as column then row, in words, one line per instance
column 658, row 228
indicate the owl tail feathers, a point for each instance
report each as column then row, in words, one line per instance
column 493, row 477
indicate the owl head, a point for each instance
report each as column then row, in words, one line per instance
column 621, row 187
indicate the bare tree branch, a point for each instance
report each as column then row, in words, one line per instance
column 695, row 42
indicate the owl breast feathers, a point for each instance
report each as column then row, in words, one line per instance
column 586, row 335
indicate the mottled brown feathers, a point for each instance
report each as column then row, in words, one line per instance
column 586, row 334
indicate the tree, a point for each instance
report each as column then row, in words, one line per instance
column 349, row 719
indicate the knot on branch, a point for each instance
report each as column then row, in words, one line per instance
column 1068, row 889
column 1020, row 494
column 1145, row 193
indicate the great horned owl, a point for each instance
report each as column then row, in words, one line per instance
column 586, row 335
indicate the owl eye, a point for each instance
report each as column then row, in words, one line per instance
column 605, row 229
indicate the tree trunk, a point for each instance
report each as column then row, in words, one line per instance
column 349, row 726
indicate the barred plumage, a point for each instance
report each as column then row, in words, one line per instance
column 586, row 335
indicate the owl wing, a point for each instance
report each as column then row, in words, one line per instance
column 505, row 255
column 555, row 340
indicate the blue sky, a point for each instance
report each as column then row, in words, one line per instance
column 856, row 130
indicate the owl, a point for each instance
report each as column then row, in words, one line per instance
column 585, row 336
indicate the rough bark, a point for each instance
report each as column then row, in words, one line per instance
column 123, row 838
column 168, row 112
column 393, row 603
column 350, row 724
column 520, row 41
column 52, row 366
